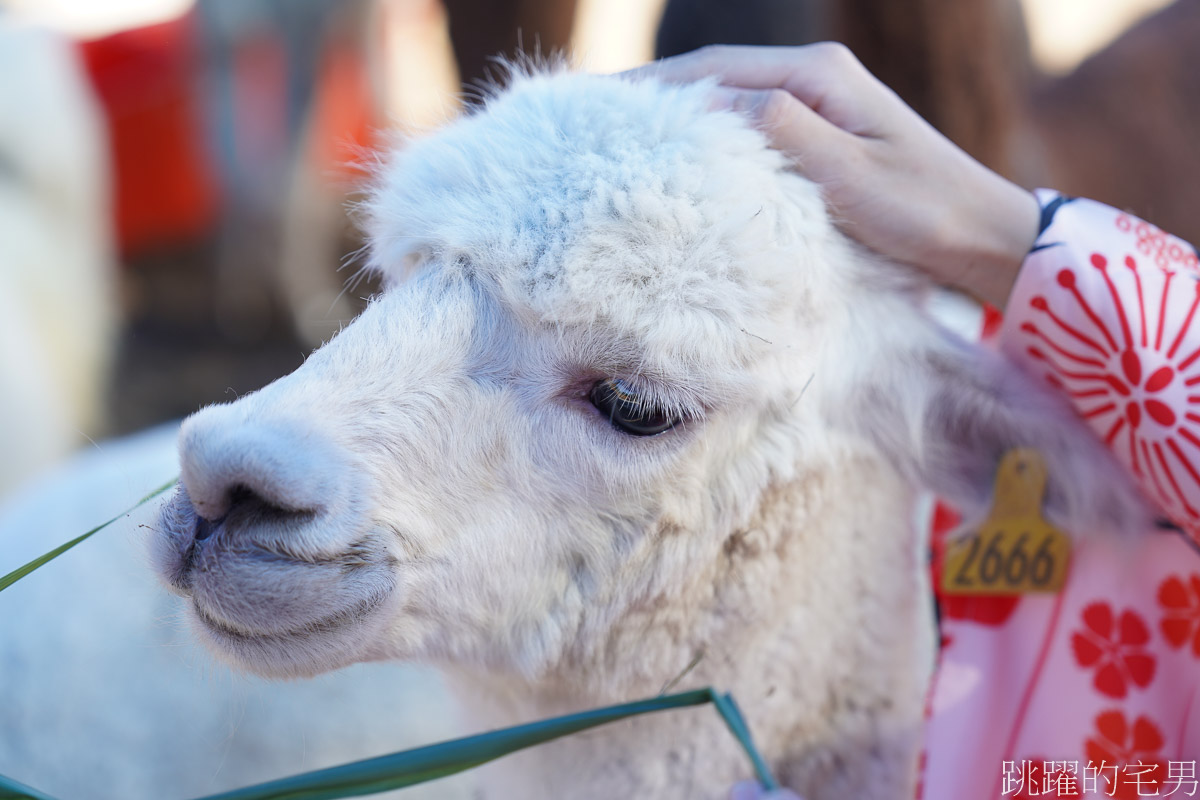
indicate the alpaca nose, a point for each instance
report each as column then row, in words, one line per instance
column 233, row 464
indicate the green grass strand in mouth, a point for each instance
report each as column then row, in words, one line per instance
column 42, row 560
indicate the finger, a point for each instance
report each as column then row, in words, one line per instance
column 748, row 66
column 817, row 145
column 824, row 76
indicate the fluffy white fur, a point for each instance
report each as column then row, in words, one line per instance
column 435, row 485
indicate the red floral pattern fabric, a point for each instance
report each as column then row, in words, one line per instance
column 1180, row 603
column 1132, row 748
column 1102, row 680
column 1115, row 647
column 1104, row 310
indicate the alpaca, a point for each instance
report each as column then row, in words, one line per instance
column 629, row 401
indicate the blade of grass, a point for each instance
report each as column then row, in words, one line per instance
column 671, row 684
column 11, row 790
column 423, row 764
column 21, row 572
column 737, row 725
column 446, row 758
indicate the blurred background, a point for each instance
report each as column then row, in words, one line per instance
column 176, row 175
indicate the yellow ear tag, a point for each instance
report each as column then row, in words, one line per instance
column 1014, row 551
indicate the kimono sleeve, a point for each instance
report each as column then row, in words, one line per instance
column 1105, row 309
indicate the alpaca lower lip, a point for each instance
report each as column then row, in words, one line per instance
column 330, row 624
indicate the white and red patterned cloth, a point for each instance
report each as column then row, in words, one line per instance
column 1103, row 677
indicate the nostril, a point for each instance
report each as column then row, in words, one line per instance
column 243, row 507
column 245, row 502
column 247, row 508
column 242, row 497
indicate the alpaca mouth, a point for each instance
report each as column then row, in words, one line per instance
column 281, row 618
column 231, row 634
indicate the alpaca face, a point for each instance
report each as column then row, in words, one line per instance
column 583, row 372
column 530, row 455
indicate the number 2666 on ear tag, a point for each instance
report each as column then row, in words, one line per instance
column 1014, row 550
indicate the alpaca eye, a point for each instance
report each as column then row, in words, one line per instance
column 627, row 411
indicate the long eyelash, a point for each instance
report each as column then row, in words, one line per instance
column 626, row 393
column 644, row 400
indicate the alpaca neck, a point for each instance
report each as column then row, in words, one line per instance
column 814, row 616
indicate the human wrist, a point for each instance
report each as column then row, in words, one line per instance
column 986, row 252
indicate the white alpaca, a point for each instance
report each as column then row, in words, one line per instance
column 56, row 262
column 628, row 400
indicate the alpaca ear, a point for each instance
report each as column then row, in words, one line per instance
column 955, row 409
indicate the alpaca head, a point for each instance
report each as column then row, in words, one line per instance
column 604, row 302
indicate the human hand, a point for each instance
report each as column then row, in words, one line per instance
column 752, row 790
column 892, row 181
